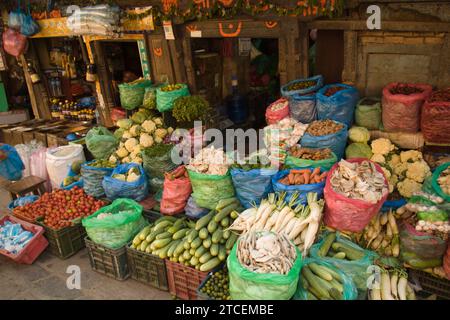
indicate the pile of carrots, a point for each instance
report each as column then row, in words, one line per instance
column 178, row 173
column 303, row 176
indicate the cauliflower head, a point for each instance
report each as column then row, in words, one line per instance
column 135, row 130
column 127, row 135
column 418, row 171
column 407, row 187
column 146, row 140
column 393, row 161
column 382, row 146
column 400, row 168
column 130, row 144
column 161, row 133
column 158, row 121
column 411, row 156
column 126, row 159
column 113, row 158
column 393, row 180
column 122, row 152
column 386, row 172
column 148, row 126
column 137, row 160
column 377, row 157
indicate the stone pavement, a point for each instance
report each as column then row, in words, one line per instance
column 46, row 279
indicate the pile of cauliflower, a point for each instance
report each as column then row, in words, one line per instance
column 210, row 161
column 134, row 137
column 405, row 171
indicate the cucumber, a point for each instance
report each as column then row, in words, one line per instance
column 136, row 241
column 335, row 294
column 234, row 214
column 223, row 240
column 329, row 239
column 143, row 245
column 214, row 249
column 172, row 248
column 196, row 243
column 310, row 296
column 226, row 234
column 162, row 225
column 180, row 259
column 163, row 252
column 350, row 253
column 179, row 249
column 164, row 235
column 321, row 272
column 205, row 257
column 152, row 236
column 192, row 235
column 200, row 251
column 338, row 286
column 339, row 255
column 203, row 233
column 207, row 243
column 178, row 225
column 186, row 255
column 161, row 243
column 336, row 276
column 315, row 283
column 231, row 240
column 180, row 234
column 203, row 222
column 211, row 264
column 165, row 218
column 144, row 233
column 186, row 245
column 217, row 235
column 225, row 212
column 225, row 222
column 225, row 203
column 148, row 249
column 192, row 251
column 194, row 261
column 222, row 253
column 212, row 226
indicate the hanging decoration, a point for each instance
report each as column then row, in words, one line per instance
column 271, row 24
column 231, row 32
column 157, row 52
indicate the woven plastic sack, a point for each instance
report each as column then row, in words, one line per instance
column 59, row 159
column 93, row 179
column 136, row 190
column 22, row 201
column 289, row 93
column 301, row 189
column 78, row 183
column 12, row 166
column 420, row 250
column 325, row 164
column 435, row 120
column 14, row 43
column 355, row 269
column 368, row 113
column 193, row 211
column 175, row 195
column 248, row 285
column 101, row 142
column 403, row 140
column 252, row 186
column 436, row 187
column 303, row 107
column 38, row 166
column 132, row 94
column 336, row 141
column 346, row 214
column 209, row 189
column 165, row 99
column 273, row 116
column 115, row 230
column 350, row 291
column 155, row 167
column 340, row 106
column 402, row 112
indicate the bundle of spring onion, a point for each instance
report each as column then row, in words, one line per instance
column 393, row 285
column 300, row 223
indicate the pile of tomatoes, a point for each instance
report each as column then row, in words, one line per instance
column 60, row 207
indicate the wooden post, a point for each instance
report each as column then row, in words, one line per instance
column 188, row 62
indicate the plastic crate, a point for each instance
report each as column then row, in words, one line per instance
column 33, row 248
column 65, row 242
column 110, row 262
column 431, row 284
column 183, row 280
column 147, row 268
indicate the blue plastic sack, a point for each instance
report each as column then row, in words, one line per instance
column 303, row 107
column 12, row 166
column 29, row 27
column 93, row 179
column 302, row 189
column 340, row 106
column 136, row 190
column 393, row 204
column 336, row 141
column 193, row 211
column 78, row 183
column 252, row 186
column 16, row 18
column 22, row 201
column 289, row 93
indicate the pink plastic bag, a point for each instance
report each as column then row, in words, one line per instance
column 401, row 113
column 273, row 116
column 176, row 193
column 38, row 166
column 346, row 214
column 14, row 42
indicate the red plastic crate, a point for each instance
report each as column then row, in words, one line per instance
column 33, row 248
column 183, row 280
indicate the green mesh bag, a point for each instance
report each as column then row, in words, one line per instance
column 325, row 164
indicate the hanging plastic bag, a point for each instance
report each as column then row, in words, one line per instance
column 302, row 86
column 101, row 142
column 59, row 159
column 345, row 214
column 357, row 270
column 11, row 166
column 339, row 106
column 325, row 164
column 368, row 113
column 25, row 151
column 420, row 250
column 208, row 189
column 93, row 179
column 253, row 185
column 14, row 42
column 434, row 181
column 115, row 188
column 115, row 225
column 38, row 166
column 248, row 285
column 165, row 99
column 301, row 189
column 435, row 119
column 16, row 18
column 277, row 111
column 193, row 211
column 336, row 141
column 156, row 166
column 303, row 107
column 402, row 112
column 132, row 94
column 176, row 191
column 29, row 27
column 350, row 291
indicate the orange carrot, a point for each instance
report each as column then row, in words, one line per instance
column 317, row 179
column 307, row 176
column 291, row 178
column 301, row 171
column 323, row 175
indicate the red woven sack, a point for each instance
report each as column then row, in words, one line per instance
column 446, row 263
column 14, row 42
column 274, row 116
column 175, row 195
column 435, row 121
column 346, row 214
column 401, row 113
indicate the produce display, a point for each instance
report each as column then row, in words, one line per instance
column 217, row 286
column 190, row 108
column 444, row 181
column 303, row 176
column 332, row 90
column 210, row 161
column 323, row 127
column 266, row 252
column 359, row 181
column 171, row 87
column 299, row 223
column 405, row 89
column 310, row 153
column 393, row 285
column 301, row 85
column 13, row 238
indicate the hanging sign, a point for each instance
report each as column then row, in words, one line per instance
column 245, row 46
column 168, row 30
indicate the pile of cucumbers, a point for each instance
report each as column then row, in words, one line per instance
column 203, row 244
column 338, row 249
column 321, row 282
